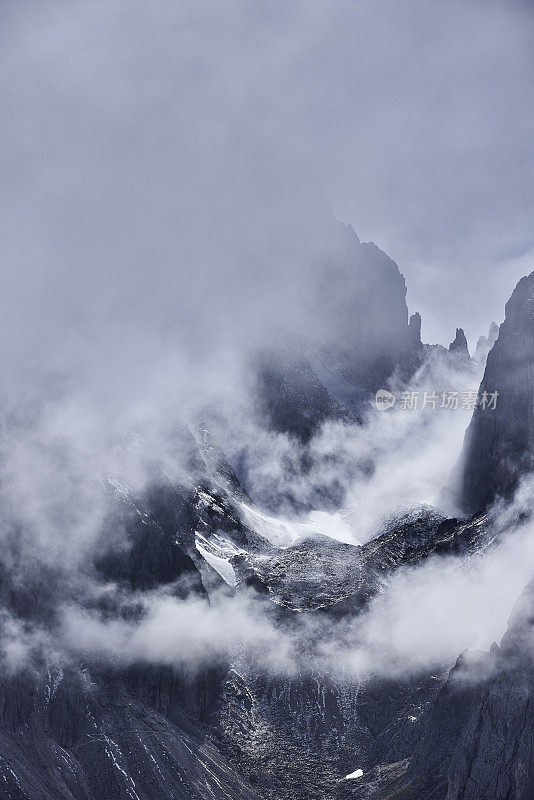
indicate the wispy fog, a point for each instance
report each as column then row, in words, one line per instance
column 158, row 158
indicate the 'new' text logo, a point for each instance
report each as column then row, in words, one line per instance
column 384, row 400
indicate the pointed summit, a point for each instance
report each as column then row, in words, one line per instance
column 485, row 343
column 414, row 331
column 459, row 345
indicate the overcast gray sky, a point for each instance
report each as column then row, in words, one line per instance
column 137, row 136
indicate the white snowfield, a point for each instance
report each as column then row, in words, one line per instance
column 283, row 533
column 220, row 565
column 356, row 774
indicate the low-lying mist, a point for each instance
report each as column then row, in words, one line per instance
column 422, row 619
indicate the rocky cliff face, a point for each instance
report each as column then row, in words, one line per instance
column 499, row 443
column 94, row 731
column 485, row 343
column 360, row 336
column 290, row 395
column 494, row 756
column 362, row 312
column 414, row 332
column 479, row 741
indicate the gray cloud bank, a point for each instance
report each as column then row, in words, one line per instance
column 160, row 159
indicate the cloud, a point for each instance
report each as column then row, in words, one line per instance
column 165, row 161
column 424, row 616
column 186, row 633
column 369, row 473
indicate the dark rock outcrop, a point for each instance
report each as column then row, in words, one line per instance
column 485, row 343
column 360, row 336
column 499, row 443
column 414, row 331
column 290, row 395
column 494, row 757
column 362, row 314
column 82, row 737
column 479, row 741
column 459, row 344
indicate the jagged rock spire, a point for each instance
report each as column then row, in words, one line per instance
column 414, row 331
column 485, row 343
column 459, row 345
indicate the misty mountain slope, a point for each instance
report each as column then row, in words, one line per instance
column 495, row 753
column 289, row 394
column 152, row 731
column 234, row 687
column 478, row 739
column 363, row 294
column 301, row 734
column 226, row 568
column 137, row 732
column 288, row 724
column 499, row 443
column 362, row 336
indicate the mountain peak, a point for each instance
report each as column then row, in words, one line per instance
column 459, row 344
column 414, row 330
column 499, row 443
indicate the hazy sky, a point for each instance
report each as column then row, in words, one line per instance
column 140, row 139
